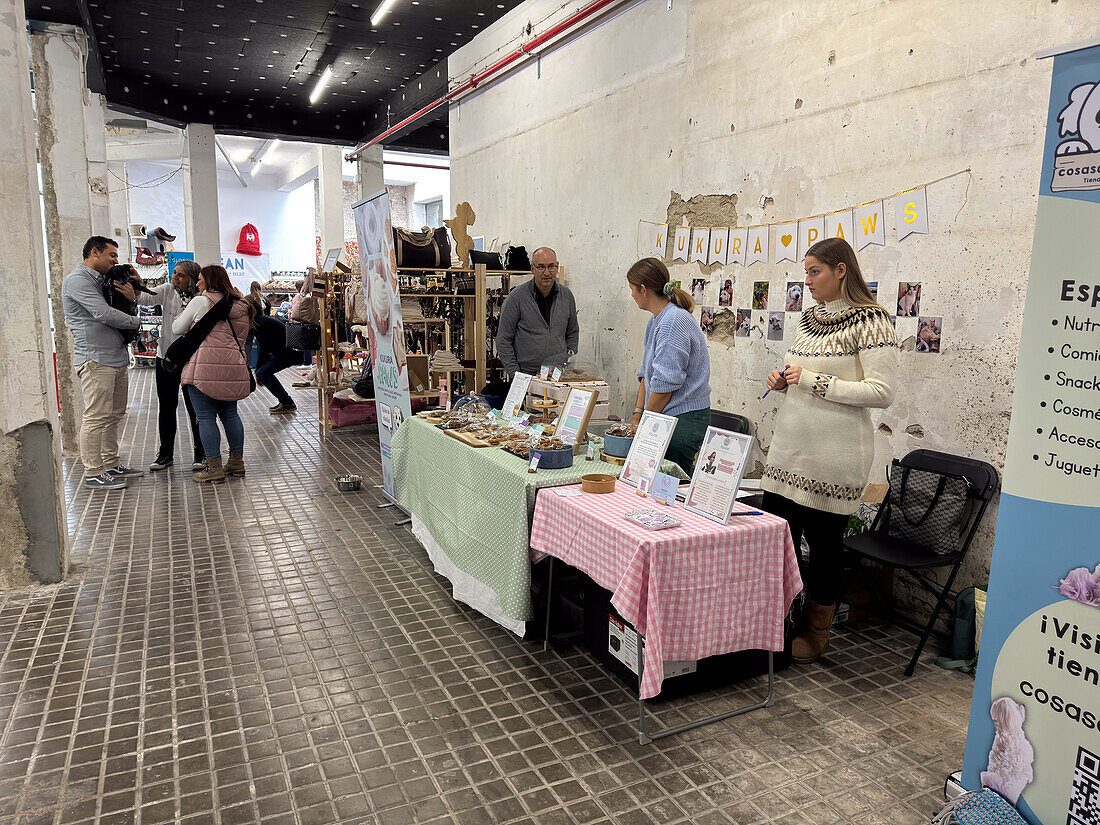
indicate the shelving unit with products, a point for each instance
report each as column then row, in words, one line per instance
column 143, row 350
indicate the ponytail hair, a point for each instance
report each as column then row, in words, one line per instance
column 653, row 275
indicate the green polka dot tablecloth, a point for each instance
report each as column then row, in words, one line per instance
column 477, row 503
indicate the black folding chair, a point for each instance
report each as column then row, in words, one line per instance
column 880, row 546
column 730, row 421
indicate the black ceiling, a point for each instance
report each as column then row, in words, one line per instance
column 248, row 66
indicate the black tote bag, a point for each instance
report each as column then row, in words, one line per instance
column 928, row 508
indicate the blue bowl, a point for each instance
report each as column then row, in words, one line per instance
column 617, row 445
column 556, row 459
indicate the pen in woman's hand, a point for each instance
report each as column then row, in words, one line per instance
column 781, row 375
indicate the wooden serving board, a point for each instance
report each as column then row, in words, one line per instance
column 468, row 439
column 612, row 459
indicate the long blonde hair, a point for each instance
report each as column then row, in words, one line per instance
column 853, row 288
column 653, row 275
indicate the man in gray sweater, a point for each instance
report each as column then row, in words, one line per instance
column 538, row 321
column 101, row 359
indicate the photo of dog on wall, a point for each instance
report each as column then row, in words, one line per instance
column 873, row 286
column 698, row 288
column 760, row 295
column 725, row 292
column 794, row 296
column 744, row 323
column 775, row 326
column 929, row 331
column 908, row 300
column 706, row 320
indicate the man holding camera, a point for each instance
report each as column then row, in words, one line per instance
column 101, row 360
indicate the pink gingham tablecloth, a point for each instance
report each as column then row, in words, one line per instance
column 697, row 590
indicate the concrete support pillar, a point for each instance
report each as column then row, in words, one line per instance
column 57, row 59
column 119, row 209
column 95, row 133
column 368, row 171
column 200, row 195
column 330, row 197
column 32, row 523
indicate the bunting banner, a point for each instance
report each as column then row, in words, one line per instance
column 658, row 240
column 738, row 243
column 758, row 245
column 681, row 244
column 810, row 231
column 785, row 244
column 719, row 239
column 700, row 245
column 862, row 226
column 870, row 225
column 911, row 210
column 839, row 225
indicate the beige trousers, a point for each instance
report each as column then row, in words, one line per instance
column 104, row 390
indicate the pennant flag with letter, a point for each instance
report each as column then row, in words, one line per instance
column 738, row 244
column 911, row 209
column 870, row 225
column 719, row 246
column 682, row 242
column 810, row 231
column 700, row 245
column 839, row 225
column 657, row 244
column 786, row 243
column 757, row 251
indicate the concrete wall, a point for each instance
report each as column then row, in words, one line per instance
column 284, row 219
column 786, row 109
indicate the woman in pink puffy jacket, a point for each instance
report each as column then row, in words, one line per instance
column 216, row 377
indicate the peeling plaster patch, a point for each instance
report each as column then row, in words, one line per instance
column 915, row 430
column 885, row 429
column 701, row 210
column 724, row 327
column 13, row 533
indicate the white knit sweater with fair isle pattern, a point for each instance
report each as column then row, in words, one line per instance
column 823, row 447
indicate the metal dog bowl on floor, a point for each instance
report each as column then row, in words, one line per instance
column 348, row 484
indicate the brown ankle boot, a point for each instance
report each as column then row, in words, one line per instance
column 811, row 642
column 213, row 472
column 235, row 467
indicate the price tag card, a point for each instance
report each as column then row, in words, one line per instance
column 544, row 371
column 665, row 487
column 556, row 374
column 534, row 465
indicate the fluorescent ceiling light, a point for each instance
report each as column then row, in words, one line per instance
column 263, row 155
column 320, row 87
column 380, row 12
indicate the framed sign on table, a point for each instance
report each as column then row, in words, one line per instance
column 718, row 471
column 648, row 448
column 517, row 392
column 573, row 422
column 330, row 260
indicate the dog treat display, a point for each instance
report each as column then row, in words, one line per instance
column 622, row 430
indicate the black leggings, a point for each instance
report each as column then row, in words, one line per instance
column 823, row 574
column 168, row 398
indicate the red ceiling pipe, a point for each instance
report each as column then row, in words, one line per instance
column 569, row 22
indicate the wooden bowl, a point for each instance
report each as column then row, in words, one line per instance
column 598, row 483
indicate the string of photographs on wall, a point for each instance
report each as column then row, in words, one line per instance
column 861, row 225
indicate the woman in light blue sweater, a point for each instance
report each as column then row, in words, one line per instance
column 675, row 373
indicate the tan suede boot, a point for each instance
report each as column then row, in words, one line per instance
column 235, row 467
column 811, row 642
column 213, row 472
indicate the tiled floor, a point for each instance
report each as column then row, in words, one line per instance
column 271, row 650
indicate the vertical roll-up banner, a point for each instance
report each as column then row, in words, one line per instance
column 1034, row 732
column 378, row 261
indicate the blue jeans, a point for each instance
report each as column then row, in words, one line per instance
column 208, row 411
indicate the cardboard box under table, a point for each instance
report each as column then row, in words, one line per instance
column 697, row 590
column 471, row 508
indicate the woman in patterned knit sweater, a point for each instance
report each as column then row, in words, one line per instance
column 843, row 363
